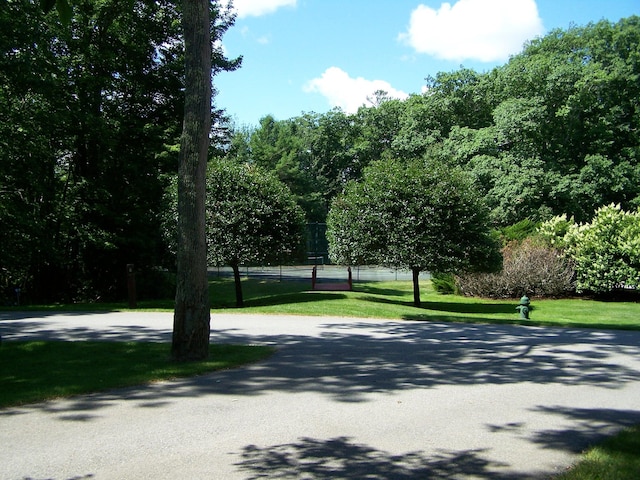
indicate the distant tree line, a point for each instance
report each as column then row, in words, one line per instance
column 556, row 130
column 90, row 120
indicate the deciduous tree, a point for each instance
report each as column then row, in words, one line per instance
column 420, row 215
column 98, row 99
column 252, row 218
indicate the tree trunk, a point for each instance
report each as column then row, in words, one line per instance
column 416, row 287
column 238, row 283
column 191, row 321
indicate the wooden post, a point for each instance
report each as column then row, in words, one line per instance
column 131, row 285
column 314, row 272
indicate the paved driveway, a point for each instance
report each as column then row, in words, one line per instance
column 342, row 399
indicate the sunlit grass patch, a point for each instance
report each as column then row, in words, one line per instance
column 35, row 371
column 617, row 458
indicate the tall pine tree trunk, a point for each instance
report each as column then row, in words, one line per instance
column 191, row 321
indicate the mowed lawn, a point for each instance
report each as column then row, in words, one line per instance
column 390, row 300
column 394, row 300
column 37, row 370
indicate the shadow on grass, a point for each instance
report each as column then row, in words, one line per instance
column 473, row 308
column 267, row 293
column 589, row 426
column 74, row 368
column 257, row 292
column 293, row 298
column 452, row 307
column 371, row 288
column 342, row 458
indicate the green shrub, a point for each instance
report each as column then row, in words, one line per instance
column 606, row 251
column 444, row 283
column 553, row 232
column 519, row 231
column 529, row 267
column 155, row 284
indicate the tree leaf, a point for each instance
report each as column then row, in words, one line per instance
column 64, row 11
column 47, row 5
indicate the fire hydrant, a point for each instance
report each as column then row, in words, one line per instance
column 524, row 307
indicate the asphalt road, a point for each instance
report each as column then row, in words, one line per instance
column 342, row 399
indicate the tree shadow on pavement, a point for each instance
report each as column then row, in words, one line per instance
column 353, row 359
column 588, row 426
column 347, row 361
column 342, row 458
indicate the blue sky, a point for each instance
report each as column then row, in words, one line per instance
column 314, row 55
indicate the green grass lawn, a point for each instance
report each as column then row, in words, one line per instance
column 617, row 458
column 394, row 300
column 35, row 371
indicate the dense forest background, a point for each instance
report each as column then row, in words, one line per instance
column 90, row 121
column 90, row 118
column 553, row 131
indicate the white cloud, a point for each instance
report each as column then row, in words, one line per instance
column 348, row 93
column 257, row 8
column 485, row 30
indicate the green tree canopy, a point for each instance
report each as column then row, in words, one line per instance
column 88, row 109
column 90, row 120
column 421, row 215
column 312, row 154
column 566, row 115
column 252, row 218
column 554, row 130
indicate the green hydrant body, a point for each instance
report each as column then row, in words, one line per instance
column 524, row 307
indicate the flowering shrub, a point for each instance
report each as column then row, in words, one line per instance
column 606, row 251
